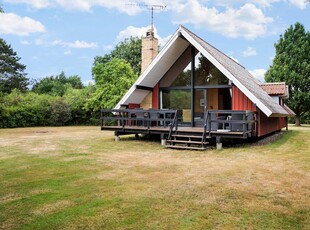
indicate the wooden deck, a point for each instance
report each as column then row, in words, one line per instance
column 123, row 130
column 177, row 134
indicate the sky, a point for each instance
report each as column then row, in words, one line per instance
column 52, row 36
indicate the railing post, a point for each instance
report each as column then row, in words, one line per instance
column 244, row 124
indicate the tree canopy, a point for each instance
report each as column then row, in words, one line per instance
column 112, row 80
column 128, row 50
column 12, row 75
column 292, row 65
column 57, row 85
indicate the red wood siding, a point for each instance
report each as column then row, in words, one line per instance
column 270, row 124
column 155, row 104
column 266, row 124
column 240, row 101
column 133, row 106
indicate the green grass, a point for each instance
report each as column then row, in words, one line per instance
column 79, row 178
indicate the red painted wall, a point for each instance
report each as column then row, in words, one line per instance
column 266, row 124
column 155, row 103
column 270, row 124
column 240, row 101
column 133, row 106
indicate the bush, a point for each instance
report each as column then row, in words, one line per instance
column 60, row 113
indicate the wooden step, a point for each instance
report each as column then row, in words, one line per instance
column 186, row 136
column 188, row 142
column 184, row 147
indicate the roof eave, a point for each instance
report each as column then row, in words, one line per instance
column 148, row 69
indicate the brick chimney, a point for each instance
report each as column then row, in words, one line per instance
column 149, row 49
column 149, row 52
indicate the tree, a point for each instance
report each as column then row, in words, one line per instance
column 60, row 113
column 12, row 75
column 112, row 80
column 128, row 50
column 292, row 65
column 57, row 85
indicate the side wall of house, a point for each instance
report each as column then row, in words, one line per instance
column 265, row 124
column 270, row 124
column 240, row 101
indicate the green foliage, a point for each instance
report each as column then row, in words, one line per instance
column 19, row 109
column 12, row 74
column 57, row 85
column 77, row 99
column 129, row 50
column 112, row 79
column 60, row 113
column 292, row 65
column 24, row 109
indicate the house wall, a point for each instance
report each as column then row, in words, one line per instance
column 266, row 124
column 212, row 99
column 270, row 124
column 147, row 101
column 155, row 97
column 240, row 101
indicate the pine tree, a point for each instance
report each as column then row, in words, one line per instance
column 12, row 75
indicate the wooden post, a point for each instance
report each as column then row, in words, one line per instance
column 219, row 144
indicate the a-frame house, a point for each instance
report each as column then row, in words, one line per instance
column 191, row 92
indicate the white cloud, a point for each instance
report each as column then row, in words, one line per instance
column 301, row 4
column 259, row 74
column 88, row 82
column 250, row 51
column 86, row 5
column 248, row 21
column 77, row 44
column 22, row 26
column 33, row 3
column 25, row 42
column 67, row 52
column 132, row 8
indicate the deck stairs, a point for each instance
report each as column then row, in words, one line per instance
column 192, row 141
column 187, row 140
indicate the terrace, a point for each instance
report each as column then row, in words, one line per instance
column 177, row 133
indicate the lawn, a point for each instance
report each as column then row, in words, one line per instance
column 78, row 177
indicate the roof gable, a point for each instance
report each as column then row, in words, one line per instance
column 231, row 69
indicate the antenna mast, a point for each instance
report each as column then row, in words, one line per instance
column 152, row 8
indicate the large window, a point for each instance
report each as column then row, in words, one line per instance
column 194, row 91
column 206, row 74
column 180, row 100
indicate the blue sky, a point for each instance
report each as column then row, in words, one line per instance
column 52, row 36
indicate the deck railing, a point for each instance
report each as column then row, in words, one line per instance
column 137, row 117
column 242, row 122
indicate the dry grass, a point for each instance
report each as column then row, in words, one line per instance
column 78, row 177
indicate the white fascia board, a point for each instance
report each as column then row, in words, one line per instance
column 148, row 69
column 218, row 65
column 158, row 57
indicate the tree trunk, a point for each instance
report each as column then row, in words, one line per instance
column 297, row 120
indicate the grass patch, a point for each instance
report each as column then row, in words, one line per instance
column 78, row 177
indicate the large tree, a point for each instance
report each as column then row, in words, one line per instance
column 12, row 75
column 292, row 65
column 112, row 80
column 128, row 50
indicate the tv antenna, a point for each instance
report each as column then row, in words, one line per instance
column 150, row 7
